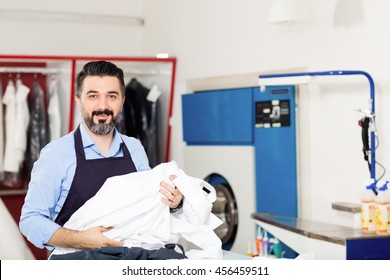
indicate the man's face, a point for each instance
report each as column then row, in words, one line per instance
column 100, row 103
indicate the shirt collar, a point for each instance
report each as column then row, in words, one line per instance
column 89, row 143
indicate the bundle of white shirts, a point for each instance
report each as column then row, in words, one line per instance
column 132, row 205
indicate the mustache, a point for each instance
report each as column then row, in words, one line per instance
column 102, row 112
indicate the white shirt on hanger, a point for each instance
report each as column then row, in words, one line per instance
column 11, row 163
column 22, row 120
column 132, row 204
column 53, row 111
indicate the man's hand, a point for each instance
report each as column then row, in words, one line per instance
column 172, row 195
column 92, row 238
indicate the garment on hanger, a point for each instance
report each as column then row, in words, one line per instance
column 121, row 126
column 1, row 133
column 53, row 111
column 11, row 163
column 37, row 130
column 22, row 120
column 141, row 119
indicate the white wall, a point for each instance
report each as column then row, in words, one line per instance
column 72, row 38
column 228, row 37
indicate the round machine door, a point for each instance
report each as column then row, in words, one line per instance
column 225, row 208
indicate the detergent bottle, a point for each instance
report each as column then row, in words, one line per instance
column 368, row 206
column 249, row 252
column 265, row 245
column 382, row 205
column 259, row 240
column 276, row 247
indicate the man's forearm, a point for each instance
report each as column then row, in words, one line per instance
column 66, row 238
column 89, row 239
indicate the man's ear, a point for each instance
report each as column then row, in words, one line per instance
column 78, row 103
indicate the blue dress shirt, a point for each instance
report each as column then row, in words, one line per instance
column 52, row 177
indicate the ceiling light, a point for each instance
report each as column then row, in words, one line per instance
column 71, row 17
column 162, row 55
column 289, row 11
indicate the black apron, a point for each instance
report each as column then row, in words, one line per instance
column 90, row 176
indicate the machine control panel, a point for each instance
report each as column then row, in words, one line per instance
column 273, row 113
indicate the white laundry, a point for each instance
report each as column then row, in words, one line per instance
column 12, row 244
column 22, row 119
column 10, row 161
column 53, row 111
column 132, row 204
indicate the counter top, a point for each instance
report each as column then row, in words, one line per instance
column 317, row 230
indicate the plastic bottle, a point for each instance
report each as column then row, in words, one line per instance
column 255, row 253
column 249, row 252
column 382, row 205
column 259, row 240
column 265, row 244
column 276, row 247
column 368, row 206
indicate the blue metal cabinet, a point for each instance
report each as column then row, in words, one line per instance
column 275, row 148
column 223, row 117
column 375, row 248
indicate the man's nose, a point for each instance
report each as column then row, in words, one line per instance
column 102, row 102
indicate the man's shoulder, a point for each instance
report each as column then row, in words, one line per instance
column 130, row 141
column 62, row 145
column 134, row 145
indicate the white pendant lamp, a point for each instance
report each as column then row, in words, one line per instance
column 289, row 12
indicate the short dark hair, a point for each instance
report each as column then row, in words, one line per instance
column 99, row 68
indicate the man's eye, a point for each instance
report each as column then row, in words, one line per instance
column 112, row 96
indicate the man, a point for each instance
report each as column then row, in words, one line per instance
column 72, row 169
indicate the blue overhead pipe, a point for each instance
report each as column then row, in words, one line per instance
column 338, row 73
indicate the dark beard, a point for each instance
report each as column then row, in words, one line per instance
column 101, row 128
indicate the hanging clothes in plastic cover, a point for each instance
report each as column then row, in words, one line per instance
column 11, row 164
column 10, row 161
column 140, row 118
column 37, row 130
column 22, row 121
column 54, row 110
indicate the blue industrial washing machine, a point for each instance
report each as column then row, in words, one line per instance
column 243, row 142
